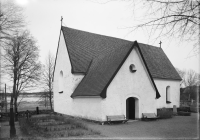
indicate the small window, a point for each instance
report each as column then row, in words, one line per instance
column 60, row 82
column 132, row 68
column 168, row 95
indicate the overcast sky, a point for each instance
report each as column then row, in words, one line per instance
column 111, row 19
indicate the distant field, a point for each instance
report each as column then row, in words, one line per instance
column 29, row 103
column 33, row 93
column 32, row 106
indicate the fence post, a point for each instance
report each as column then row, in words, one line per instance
column 27, row 114
column 37, row 110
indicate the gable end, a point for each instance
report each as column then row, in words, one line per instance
column 157, row 93
column 56, row 56
column 103, row 93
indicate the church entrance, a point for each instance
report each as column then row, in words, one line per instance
column 130, row 108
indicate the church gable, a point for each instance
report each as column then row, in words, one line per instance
column 132, row 77
column 131, row 80
column 103, row 68
column 63, row 67
column 99, row 58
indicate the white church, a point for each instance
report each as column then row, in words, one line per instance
column 97, row 76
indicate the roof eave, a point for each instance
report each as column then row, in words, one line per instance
column 56, row 55
column 177, row 79
column 157, row 92
column 85, row 96
column 81, row 73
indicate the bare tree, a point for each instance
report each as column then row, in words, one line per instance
column 11, row 18
column 47, row 78
column 167, row 18
column 21, row 63
column 179, row 18
column 191, row 78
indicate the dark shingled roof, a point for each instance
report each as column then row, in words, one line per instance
column 158, row 63
column 100, row 57
column 84, row 46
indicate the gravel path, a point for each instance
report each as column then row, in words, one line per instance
column 182, row 127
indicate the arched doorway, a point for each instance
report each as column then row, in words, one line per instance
column 130, row 108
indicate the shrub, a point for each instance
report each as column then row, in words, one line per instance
column 165, row 113
column 181, row 113
column 185, row 109
column 194, row 108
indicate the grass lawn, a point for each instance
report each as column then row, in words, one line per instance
column 54, row 126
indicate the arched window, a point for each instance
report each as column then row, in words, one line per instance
column 60, row 82
column 168, row 94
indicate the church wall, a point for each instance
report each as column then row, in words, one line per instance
column 63, row 103
column 88, row 107
column 174, row 92
column 126, row 84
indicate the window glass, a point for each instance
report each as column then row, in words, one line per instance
column 168, row 94
column 60, row 82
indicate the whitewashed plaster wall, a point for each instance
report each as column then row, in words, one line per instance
column 63, row 103
column 174, row 92
column 88, row 107
column 126, row 84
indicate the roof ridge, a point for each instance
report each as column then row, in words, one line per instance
column 149, row 45
column 98, row 34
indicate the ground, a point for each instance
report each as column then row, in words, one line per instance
column 179, row 127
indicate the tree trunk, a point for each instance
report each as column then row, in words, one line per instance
column 5, row 99
column 12, row 121
column 50, row 101
column 16, row 112
column 45, row 100
column 12, row 124
column 189, row 93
